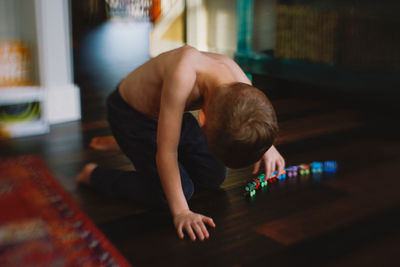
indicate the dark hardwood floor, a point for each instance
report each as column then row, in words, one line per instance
column 350, row 219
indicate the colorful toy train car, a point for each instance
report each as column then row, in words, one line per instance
column 303, row 169
column 317, row 167
column 291, row 171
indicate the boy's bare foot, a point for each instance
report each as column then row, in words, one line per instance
column 84, row 176
column 104, row 143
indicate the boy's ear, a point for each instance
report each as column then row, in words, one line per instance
column 202, row 117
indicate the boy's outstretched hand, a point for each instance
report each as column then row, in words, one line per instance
column 272, row 161
column 194, row 225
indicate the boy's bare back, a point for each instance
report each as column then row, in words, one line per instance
column 193, row 71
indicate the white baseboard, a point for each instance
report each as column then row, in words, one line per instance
column 62, row 103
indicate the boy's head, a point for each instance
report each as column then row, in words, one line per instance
column 240, row 124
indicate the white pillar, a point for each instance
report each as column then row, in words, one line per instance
column 196, row 24
column 62, row 98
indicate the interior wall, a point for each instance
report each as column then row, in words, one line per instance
column 168, row 31
column 8, row 20
column 175, row 31
column 222, row 25
column 264, row 25
column 17, row 22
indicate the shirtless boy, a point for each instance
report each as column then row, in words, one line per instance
column 173, row 152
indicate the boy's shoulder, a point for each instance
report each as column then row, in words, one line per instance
column 181, row 54
column 179, row 63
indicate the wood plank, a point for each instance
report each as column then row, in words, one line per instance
column 318, row 125
column 382, row 253
column 290, row 107
column 370, row 199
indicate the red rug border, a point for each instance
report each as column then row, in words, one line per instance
column 40, row 165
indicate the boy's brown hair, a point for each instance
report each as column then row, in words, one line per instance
column 241, row 124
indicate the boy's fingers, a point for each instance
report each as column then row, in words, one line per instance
column 256, row 167
column 189, row 231
column 198, row 231
column 279, row 166
column 268, row 169
column 180, row 232
column 283, row 162
column 204, row 229
column 209, row 221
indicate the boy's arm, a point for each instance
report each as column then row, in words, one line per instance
column 176, row 89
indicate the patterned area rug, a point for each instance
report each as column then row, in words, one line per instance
column 40, row 225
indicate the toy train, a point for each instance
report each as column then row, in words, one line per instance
column 303, row 169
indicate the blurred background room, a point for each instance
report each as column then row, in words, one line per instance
column 50, row 52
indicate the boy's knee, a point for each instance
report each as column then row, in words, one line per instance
column 188, row 189
column 187, row 183
column 161, row 200
column 214, row 178
column 220, row 176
